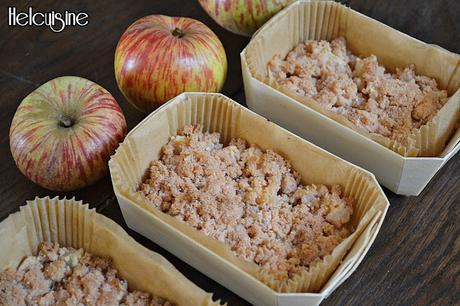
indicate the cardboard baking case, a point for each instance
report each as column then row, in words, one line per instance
column 72, row 224
column 395, row 166
column 216, row 113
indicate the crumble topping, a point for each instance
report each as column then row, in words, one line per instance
column 66, row 276
column 249, row 199
column 389, row 104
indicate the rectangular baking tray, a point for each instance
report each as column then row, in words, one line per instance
column 327, row 20
column 218, row 113
column 72, row 224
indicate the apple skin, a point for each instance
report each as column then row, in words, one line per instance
column 64, row 132
column 242, row 17
column 159, row 57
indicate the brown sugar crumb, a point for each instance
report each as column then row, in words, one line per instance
column 249, row 199
column 389, row 104
column 66, row 276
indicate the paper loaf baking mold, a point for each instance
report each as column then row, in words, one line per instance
column 72, row 224
column 305, row 20
column 216, row 113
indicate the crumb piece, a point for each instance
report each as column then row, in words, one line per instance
column 66, row 276
column 249, row 199
column 390, row 104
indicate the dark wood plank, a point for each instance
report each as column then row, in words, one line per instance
column 434, row 22
column 415, row 258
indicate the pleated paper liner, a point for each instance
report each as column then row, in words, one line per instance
column 326, row 20
column 72, row 224
column 216, row 113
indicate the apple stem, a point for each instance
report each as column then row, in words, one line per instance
column 65, row 121
column 178, row 33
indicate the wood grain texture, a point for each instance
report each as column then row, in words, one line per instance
column 415, row 259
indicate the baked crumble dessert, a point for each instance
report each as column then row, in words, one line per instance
column 248, row 198
column 67, row 276
column 390, row 104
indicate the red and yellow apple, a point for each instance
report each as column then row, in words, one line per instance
column 242, row 17
column 64, row 132
column 159, row 57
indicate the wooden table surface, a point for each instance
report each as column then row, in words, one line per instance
column 415, row 258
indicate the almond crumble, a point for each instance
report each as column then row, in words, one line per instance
column 249, row 199
column 66, row 276
column 389, row 104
